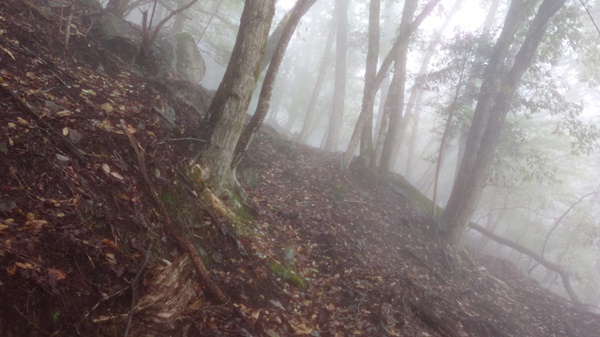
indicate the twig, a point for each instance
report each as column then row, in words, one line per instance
column 134, row 288
column 30, row 321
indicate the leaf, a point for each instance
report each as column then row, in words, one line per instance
column 107, row 108
column 34, row 224
column 108, row 243
column 2, row 227
column 57, row 273
column 64, row 113
column 106, row 168
column 65, row 131
column 9, row 53
column 116, row 175
column 25, row 265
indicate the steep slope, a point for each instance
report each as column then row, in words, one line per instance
column 85, row 249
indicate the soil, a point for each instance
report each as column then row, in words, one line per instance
column 318, row 251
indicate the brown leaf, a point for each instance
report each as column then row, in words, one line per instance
column 108, row 243
column 34, row 224
column 57, row 273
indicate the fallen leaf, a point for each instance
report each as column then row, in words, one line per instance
column 108, row 243
column 64, row 113
column 107, row 108
column 57, row 273
column 195, row 306
column 34, row 224
column 9, row 53
column 25, row 265
column 106, row 168
column 116, row 175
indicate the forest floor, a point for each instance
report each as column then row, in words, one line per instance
column 320, row 252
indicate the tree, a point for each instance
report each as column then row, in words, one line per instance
column 366, row 149
column 303, row 134
column 301, row 7
column 394, row 104
column 339, row 94
column 149, row 35
column 369, row 98
column 495, row 97
column 225, row 119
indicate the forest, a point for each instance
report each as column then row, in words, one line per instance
column 299, row 168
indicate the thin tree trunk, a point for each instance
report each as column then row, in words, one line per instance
column 366, row 149
column 225, row 119
column 301, row 7
column 394, row 105
column 403, row 35
column 415, row 94
column 339, row 92
column 303, row 135
column 451, row 110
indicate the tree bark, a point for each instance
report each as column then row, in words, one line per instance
column 339, row 91
column 301, row 7
column 366, row 149
column 492, row 107
column 225, row 119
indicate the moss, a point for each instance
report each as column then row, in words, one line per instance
column 249, row 176
column 338, row 192
column 287, row 274
column 175, row 204
column 286, row 148
column 406, row 189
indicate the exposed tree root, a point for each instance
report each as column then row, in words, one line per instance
column 213, row 291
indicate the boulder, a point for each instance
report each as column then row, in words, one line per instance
column 117, row 36
column 176, row 54
column 183, row 57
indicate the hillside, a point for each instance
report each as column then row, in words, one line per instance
column 313, row 251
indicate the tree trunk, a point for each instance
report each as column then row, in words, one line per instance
column 403, row 35
column 476, row 74
column 339, row 92
column 394, row 105
column 366, row 150
column 303, row 135
column 447, row 128
column 414, row 99
column 301, row 7
column 225, row 119
column 492, row 107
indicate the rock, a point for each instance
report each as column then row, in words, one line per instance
column 182, row 57
column 176, row 54
column 117, row 36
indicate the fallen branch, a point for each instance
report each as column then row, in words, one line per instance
column 524, row 250
column 208, row 284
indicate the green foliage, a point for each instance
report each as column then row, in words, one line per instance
column 287, row 274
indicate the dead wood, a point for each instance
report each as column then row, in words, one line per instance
column 213, row 291
column 524, row 250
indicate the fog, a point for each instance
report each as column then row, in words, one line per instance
column 545, row 176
